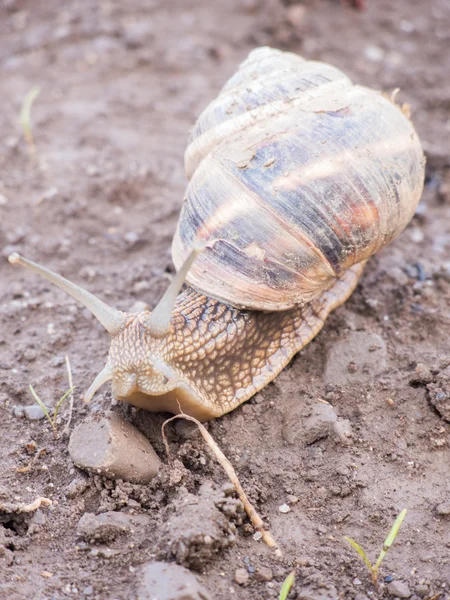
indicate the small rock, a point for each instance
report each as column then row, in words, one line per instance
column 241, row 576
column 131, row 238
column 76, row 487
column 18, row 412
column 317, row 593
column 374, row 53
column 284, row 508
column 365, row 352
column 443, row 508
column 343, row 431
column 307, row 428
column 138, row 34
column 3, row 200
column 399, row 589
column 111, row 446
column 57, row 361
column 398, row 275
column 263, row 574
column 142, row 286
column 34, row 412
column 106, row 527
column 88, row 591
column 166, row 581
column 421, row 590
column 29, row 355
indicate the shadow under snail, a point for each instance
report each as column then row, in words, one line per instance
column 296, row 177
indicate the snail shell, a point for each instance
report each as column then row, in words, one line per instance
column 295, row 175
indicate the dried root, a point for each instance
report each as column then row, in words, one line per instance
column 21, row 507
column 254, row 517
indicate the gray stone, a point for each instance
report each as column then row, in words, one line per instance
column 421, row 589
column 35, row 412
column 241, row 576
column 111, row 446
column 263, row 574
column 106, row 527
column 309, row 427
column 443, row 509
column 358, row 357
column 76, row 487
column 317, row 593
column 399, row 589
column 343, row 431
column 166, row 581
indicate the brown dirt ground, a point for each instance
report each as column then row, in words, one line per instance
column 121, row 84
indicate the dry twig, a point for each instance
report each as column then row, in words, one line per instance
column 21, row 507
column 254, row 517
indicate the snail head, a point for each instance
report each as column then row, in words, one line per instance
column 136, row 362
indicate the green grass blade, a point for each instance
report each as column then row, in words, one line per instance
column 41, row 404
column 390, row 538
column 287, row 584
column 360, row 551
column 60, row 401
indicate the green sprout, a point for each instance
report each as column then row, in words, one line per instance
column 386, row 545
column 287, row 584
column 51, row 419
column 25, row 118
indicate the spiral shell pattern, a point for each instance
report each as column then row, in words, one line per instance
column 295, row 175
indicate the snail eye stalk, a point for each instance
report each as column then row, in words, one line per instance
column 111, row 319
column 158, row 323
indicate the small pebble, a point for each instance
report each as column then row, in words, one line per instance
column 373, row 53
column 241, row 576
column 3, row 200
column 76, row 487
column 443, row 509
column 88, row 591
column 106, row 527
column 399, row 589
column 284, row 508
column 57, row 361
column 168, row 581
column 421, row 590
column 263, row 574
column 111, row 446
column 34, row 413
column 131, row 238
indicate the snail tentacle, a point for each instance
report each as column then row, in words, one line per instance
column 111, row 319
column 158, row 322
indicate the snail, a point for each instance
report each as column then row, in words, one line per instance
column 296, row 177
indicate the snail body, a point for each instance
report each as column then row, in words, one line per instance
column 296, row 177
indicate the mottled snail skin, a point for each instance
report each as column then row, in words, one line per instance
column 296, row 178
column 300, row 174
column 218, row 356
